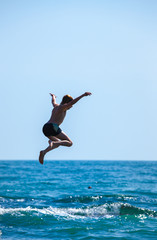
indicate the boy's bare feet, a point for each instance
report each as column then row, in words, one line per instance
column 50, row 143
column 41, row 157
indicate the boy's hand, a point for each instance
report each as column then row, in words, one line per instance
column 87, row 94
column 52, row 95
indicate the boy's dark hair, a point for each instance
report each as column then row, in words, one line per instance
column 66, row 99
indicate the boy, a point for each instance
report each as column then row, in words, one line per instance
column 52, row 130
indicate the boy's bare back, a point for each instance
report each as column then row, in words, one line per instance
column 58, row 115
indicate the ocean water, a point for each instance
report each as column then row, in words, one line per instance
column 54, row 201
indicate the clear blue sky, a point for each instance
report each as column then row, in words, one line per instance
column 69, row 47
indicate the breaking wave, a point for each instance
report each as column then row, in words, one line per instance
column 95, row 212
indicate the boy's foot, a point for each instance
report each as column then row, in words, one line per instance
column 41, row 157
column 50, row 143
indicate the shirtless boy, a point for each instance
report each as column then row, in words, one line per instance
column 52, row 130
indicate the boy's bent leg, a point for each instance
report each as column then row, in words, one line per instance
column 52, row 139
column 49, row 148
column 60, row 140
column 64, row 138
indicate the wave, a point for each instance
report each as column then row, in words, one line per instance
column 85, row 199
column 79, row 199
column 103, row 211
column 90, row 199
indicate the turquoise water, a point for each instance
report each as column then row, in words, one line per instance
column 53, row 201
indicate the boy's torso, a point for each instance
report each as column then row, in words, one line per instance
column 57, row 115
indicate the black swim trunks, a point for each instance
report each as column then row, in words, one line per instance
column 51, row 129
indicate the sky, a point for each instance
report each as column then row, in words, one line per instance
column 70, row 47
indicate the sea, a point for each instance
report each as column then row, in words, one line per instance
column 78, row 200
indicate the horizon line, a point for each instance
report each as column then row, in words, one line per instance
column 79, row 160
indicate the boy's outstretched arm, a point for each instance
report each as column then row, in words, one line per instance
column 68, row 105
column 53, row 100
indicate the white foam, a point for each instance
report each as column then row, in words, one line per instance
column 14, row 210
column 20, row 200
column 106, row 210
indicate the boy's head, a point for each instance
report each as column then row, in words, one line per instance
column 66, row 99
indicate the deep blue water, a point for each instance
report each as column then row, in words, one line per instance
column 53, row 201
